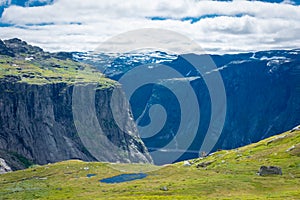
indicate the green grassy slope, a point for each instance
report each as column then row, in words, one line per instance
column 22, row 62
column 49, row 70
column 230, row 175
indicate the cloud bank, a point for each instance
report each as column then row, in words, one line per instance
column 217, row 26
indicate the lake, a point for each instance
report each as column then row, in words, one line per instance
column 124, row 178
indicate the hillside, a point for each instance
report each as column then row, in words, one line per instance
column 225, row 174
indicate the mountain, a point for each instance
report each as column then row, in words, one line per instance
column 227, row 174
column 50, row 106
column 261, row 98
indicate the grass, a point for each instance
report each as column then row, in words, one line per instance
column 51, row 70
column 230, row 175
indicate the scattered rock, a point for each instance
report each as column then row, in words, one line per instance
column 12, row 78
column 42, row 178
column 4, row 168
column 297, row 128
column 211, row 154
column 164, row 188
column 186, row 163
column 295, row 150
column 268, row 170
column 204, row 164
column 291, row 148
column 29, row 58
column 276, row 138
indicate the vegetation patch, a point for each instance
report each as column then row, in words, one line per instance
column 230, row 175
column 21, row 62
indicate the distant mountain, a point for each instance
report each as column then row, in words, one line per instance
column 262, row 96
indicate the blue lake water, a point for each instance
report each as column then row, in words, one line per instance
column 124, row 178
column 90, row 175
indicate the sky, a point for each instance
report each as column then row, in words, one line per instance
column 217, row 26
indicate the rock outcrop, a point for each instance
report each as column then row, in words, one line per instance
column 269, row 170
column 4, row 168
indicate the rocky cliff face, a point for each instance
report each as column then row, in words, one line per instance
column 37, row 120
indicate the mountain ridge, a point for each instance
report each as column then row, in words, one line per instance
column 262, row 93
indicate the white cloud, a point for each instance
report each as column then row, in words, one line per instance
column 241, row 25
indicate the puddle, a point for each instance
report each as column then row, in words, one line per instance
column 90, row 175
column 124, row 178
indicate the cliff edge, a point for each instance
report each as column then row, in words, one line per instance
column 36, row 110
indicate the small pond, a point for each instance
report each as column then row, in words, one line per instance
column 124, row 178
column 90, row 175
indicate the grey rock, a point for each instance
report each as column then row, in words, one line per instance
column 4, row 168
column 291, row 148
column 18, row 46
column 268, row 170
column 297, row 128
column 186, row 163
column 37, row 122
column 4, row 50
column 164, row 188
column 204, row 164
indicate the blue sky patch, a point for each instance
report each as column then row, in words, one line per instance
column 195, row 19
column 5, row 24
column 31, row 3
column 25, row 3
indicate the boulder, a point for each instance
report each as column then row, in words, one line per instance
column 204, row 164
column 268, row 170
column 4, row 168
column 186, row 163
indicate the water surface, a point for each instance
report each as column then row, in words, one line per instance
column 124, row 178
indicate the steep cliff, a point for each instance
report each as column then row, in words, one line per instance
column 38, row 91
